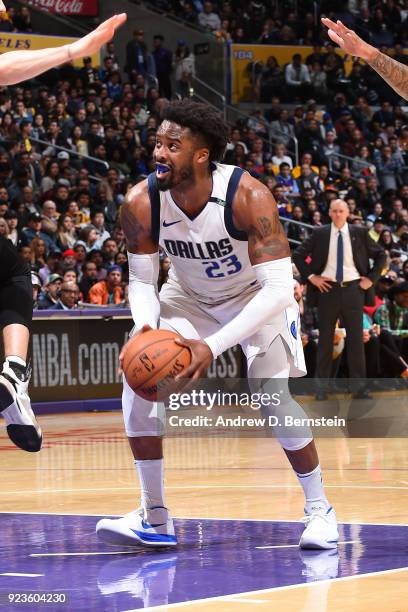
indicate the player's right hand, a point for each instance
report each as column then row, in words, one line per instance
column 145, row 328
column 321, row 282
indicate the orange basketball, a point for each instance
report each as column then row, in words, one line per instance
column 152, row 360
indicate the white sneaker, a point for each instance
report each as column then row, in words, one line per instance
column 321, row 529
column 22, row 427
column 144, row 527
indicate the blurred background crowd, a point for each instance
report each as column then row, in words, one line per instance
column 73, row 141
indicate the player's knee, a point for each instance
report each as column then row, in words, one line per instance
column 294, row 444
column 146, row 447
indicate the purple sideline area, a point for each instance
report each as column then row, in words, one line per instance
column 100, row 313
column 214, row 558
column 86, row 405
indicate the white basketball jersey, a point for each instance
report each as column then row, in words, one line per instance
column 209, row 256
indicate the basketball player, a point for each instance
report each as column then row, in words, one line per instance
column 393, row 72
column 230, row 283
column 15, row 279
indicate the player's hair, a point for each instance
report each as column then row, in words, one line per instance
column 201, row 119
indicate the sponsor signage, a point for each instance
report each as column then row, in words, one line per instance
column 22, row 40
column 68, row 7
column 76, row 358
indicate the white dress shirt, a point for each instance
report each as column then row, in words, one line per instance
column 350, row 271
column 297, row 75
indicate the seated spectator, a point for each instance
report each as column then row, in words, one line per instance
column 310, row 140
column 50, row 216
column 333, row 66
column 286, row 180
column 68, row 298
column 318, row 79
column 392, row 316
column 51, row 176
column 270, row 79
column 281, row 129
column 98, row 221
column 297, row 78
column 33, row 230
column 66, row 232
column 308, row 180
column 38, row 253
column 306, row 159
column 108, row 291
column 281, row 157
column 208, row 19
column 89, row 278
column 389, row 168
column 297, row 232
column 378, row 227
column 386, row 241
column 363, row 163
column 345, row 182
column 89, row 236
column 51, row 291
column 330, row 149
column 14, row 232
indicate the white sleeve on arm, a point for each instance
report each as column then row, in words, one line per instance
column 143, row 293
column 276, row 280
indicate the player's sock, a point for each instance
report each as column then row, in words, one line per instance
column 312, row 486
column 150, row 472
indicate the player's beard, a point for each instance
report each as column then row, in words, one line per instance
column 176, row 178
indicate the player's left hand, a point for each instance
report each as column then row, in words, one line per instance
column 92, row 42
column 365, row 283
column 201, row 358
column 348, row 40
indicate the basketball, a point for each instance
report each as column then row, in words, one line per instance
column 151, row 362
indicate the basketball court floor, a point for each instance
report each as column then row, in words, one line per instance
column 237, row 506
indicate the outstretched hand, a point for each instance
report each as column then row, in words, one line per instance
column 92, row 42
column 348, row 40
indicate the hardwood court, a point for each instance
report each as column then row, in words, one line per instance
column 85, row 468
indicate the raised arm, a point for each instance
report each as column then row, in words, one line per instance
column 393, row 72
column 17, row 66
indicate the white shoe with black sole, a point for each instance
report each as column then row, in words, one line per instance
column 21, row 424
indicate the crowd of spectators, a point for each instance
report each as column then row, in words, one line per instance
column 324, row 72
column 277, row 22
column 73, row 141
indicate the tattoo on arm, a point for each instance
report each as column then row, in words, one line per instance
column 393, row 72
column 132, row 228
column 267, row 237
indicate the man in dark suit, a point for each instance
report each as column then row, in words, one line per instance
column 68, row 297
column 340, row 281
